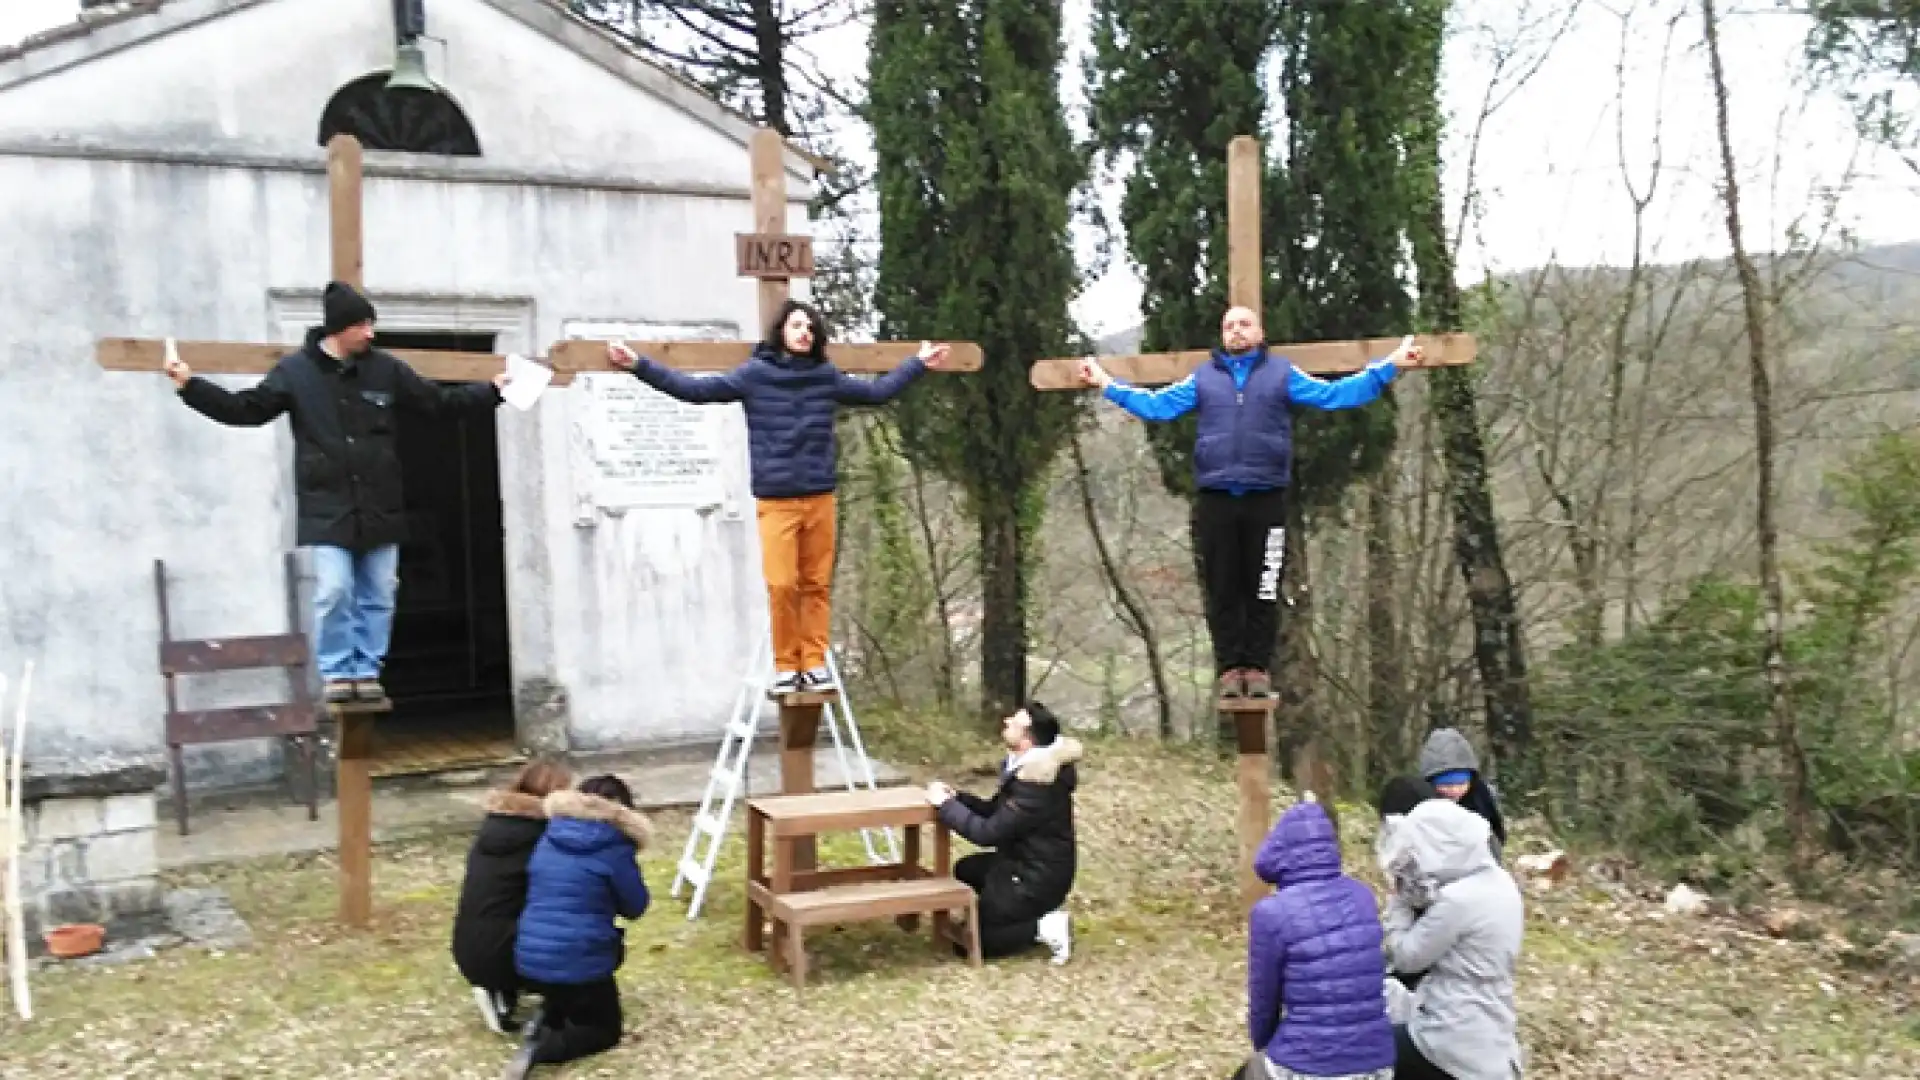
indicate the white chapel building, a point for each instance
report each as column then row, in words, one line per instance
column 583, row 575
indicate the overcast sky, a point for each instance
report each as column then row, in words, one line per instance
column 1549, row 160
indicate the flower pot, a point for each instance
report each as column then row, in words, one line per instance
column 73, row 942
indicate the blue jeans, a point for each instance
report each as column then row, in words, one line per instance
column 353, row 609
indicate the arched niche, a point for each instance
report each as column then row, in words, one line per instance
column 407, row 121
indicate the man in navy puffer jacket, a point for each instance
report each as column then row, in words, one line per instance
column 582, row 875
column 1316, row 975
column 1243, row 464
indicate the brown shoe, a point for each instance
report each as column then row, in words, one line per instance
column 1259, row 684
column 1232, row 683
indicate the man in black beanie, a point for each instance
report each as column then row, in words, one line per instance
column 344, row 397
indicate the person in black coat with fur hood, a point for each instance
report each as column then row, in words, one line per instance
column 495, row 889
column 1024, row 881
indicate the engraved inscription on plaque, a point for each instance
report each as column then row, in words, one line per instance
column 650, row 450
column 632, row 447
column 775, row 256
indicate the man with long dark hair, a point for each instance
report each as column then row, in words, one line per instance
column 791, row 393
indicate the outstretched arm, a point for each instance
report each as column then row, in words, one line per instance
column 1169, row 403
column 679, row 385
column 258, row 404
column 418, row 395
column 854, row 390
column 1351, row 392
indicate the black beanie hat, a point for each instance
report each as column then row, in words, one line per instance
column 341, row 306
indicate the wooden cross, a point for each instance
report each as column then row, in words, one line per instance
column 1251, row 718
column 241, row 358
column 353, row 751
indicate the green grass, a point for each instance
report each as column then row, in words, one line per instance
column 1155, row 988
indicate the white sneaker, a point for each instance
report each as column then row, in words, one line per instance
column 1055, row 934
column 489, row 1009
column 817, row 679
column 785, row 682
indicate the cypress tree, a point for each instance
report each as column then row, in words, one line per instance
column 976, row 171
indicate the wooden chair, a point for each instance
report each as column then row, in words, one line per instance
column 295, row 723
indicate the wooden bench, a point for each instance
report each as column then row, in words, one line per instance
column 295, row 723
column 868, row 901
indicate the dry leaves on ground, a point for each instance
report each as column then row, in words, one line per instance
column 1611, row 988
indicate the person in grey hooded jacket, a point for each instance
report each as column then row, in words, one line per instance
column 1448, row 762
column 1465, row 937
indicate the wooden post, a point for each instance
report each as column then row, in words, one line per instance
column 768, row 152
column 799, row 713
column 799, row 728
column 1244, row 271
column 354, row 724
column 343, row 187
column 1249, row 718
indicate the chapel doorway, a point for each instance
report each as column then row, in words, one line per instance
column 449, row 671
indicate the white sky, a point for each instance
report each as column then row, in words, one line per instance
column 1549, row 164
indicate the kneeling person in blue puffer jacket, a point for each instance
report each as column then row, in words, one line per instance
column 582, row 876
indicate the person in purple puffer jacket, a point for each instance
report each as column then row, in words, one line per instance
column 1316, row 997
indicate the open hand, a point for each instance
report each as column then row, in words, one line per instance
column 1408, row 354
column 934, row 355
column 621, row 357
column 938, row 792
column 1092, row 374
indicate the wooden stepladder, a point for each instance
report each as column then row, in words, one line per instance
column 1254, row 721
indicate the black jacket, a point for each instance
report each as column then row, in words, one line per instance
column 495, row 889
column 1029, row 822
column 346, row 461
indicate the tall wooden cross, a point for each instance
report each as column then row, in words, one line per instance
column 355, row 722
column 1250, row 718
column 774, row 257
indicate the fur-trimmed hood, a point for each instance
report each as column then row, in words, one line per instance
column 1043, row 765
column 578, row 806
column 518, row 804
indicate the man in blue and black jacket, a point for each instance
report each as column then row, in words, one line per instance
column 1243, row 464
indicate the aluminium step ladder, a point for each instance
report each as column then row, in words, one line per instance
column 729, row 780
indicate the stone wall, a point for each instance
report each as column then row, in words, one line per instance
column 88, row 844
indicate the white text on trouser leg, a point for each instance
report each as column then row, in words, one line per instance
column 1270, row 573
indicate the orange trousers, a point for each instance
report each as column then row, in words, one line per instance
column 796, row 555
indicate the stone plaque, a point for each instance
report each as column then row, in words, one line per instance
column 633, row 447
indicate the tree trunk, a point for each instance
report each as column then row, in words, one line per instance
column 1799, row 801
column 771, row 57
column 1003, row 620
column 1136, row 613
column 1386, row 672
